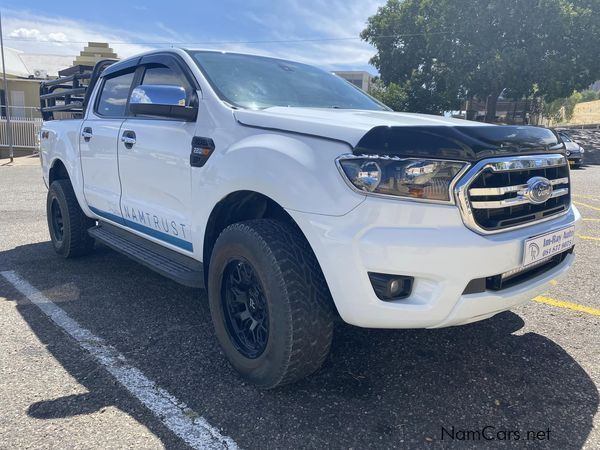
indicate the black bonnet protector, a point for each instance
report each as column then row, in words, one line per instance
column 462, row 143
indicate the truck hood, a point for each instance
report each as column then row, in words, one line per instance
column 406, row 134
column 347, row 125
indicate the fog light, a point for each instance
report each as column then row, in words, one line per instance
column 391, row 287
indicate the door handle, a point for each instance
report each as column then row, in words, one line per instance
column 86, row 133
column 128, row 138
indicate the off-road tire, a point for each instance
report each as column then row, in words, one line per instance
column 300, row 307
column 74, row 239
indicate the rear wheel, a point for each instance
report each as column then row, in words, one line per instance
column 269, row 302
column 67, row 223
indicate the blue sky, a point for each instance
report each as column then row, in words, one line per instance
column 330, row 28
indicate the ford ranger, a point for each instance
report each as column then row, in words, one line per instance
column 294, row 198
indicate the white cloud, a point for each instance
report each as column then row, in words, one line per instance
column 26, row 33
column 33, row 34
column 290, row 20
column 332, row 20
column 57, row 35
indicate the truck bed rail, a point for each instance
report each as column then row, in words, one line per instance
column 70, row 92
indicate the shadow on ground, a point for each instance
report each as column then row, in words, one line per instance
column 379, row 388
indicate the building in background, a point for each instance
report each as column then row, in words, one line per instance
column 359, row 78
column 94, row 52
column 514, row 112
column 25, row 72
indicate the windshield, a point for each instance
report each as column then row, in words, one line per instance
column 565, row 137
column 257, row 82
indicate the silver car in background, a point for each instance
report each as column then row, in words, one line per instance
column 574, row 151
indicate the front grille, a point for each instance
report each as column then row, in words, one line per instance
column 493, row 195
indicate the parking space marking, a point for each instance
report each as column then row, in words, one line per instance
column 588, row 238
column 585, row 219
column 567, row 305
column 585, row 205
column 174, row 414
column 588, row 197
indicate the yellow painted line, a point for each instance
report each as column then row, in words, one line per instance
column 595, row 208
column 553, row 282
column 567, row 305
column 588, row 238
column 589, row 197
column 591, row 220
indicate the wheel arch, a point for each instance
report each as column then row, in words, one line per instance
column 237, row 207
column 61, row 169
column 240, row 206
column 58, row 171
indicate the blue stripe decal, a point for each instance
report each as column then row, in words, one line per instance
column 107, row 215
column 177, row 242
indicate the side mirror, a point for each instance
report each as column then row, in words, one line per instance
column 161, row 101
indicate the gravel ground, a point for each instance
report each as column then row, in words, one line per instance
column 536, row 368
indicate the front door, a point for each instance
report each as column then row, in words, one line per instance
column 98, row 146
column 154, row 164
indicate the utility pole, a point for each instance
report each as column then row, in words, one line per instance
column 6, row 97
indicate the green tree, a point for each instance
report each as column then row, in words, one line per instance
column 590, row 96
column 392, row 95
column 444, row 51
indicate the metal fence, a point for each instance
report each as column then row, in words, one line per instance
column 25, row 125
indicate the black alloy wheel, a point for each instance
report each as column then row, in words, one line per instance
column 67, row 224
column 270, row 305
column 245, row 309
column 56, row 219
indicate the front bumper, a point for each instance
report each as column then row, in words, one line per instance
column 430, row 243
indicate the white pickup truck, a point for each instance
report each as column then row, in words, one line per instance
column 296, row 198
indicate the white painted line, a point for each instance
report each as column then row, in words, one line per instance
column 175, row 415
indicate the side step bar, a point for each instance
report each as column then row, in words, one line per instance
column 173, row 265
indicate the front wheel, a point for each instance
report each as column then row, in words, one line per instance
column 269, row 302
column 67, row 223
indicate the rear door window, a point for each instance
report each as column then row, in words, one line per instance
column 114, row 95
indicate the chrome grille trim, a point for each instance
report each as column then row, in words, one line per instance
column 468, row 207
column 513, row 201
column 477, row 192
column 525, row 162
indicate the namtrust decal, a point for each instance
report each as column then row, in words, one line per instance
column 165, row 229
column 158, row 223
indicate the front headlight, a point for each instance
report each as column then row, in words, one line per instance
column 423, row 179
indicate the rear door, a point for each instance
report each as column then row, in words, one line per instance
column 155, row 169
column 98, row 139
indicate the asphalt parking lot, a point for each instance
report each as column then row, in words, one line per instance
column 536, row 368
